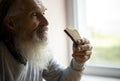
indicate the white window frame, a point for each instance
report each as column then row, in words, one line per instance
column 72, row 12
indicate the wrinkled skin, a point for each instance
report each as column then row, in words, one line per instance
column 82, row 50
column 29, row 20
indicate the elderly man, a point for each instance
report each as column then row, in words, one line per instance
column 24, row 52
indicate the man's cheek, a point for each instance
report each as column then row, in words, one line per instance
column 34, row 24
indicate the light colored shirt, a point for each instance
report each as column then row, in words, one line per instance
column 11, row 70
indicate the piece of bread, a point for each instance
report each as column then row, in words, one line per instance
column 72, row 33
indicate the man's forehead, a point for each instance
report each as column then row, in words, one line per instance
column 39, row 2
column 30, row 2
column 41, row 5
column 33, row 4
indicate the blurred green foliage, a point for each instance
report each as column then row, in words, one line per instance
column 106, row 49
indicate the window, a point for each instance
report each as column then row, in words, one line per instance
column 99, row 21
column 102, row 22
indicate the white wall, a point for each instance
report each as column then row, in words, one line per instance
column 56, row 15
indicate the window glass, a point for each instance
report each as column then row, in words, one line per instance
column 99, row 20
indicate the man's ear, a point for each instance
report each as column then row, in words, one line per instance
column 9, row 23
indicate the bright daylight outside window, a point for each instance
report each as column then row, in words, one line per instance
column 99, row 20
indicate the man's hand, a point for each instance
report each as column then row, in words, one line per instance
column 82, row 50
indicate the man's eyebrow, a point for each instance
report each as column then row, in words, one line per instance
column 41, row 9
column 38, row 10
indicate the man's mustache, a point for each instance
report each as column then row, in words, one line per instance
column 41, row 29
column 40, row 32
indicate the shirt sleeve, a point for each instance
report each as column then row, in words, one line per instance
column 57, row 73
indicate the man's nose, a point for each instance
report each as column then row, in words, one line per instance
column 43, row 21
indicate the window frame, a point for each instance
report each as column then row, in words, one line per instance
column 96, row 70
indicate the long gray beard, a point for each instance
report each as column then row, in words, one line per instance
column 37, row 53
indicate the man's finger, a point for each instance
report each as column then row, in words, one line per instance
column 85, row 47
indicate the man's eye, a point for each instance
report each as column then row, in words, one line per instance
column 34, row 14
